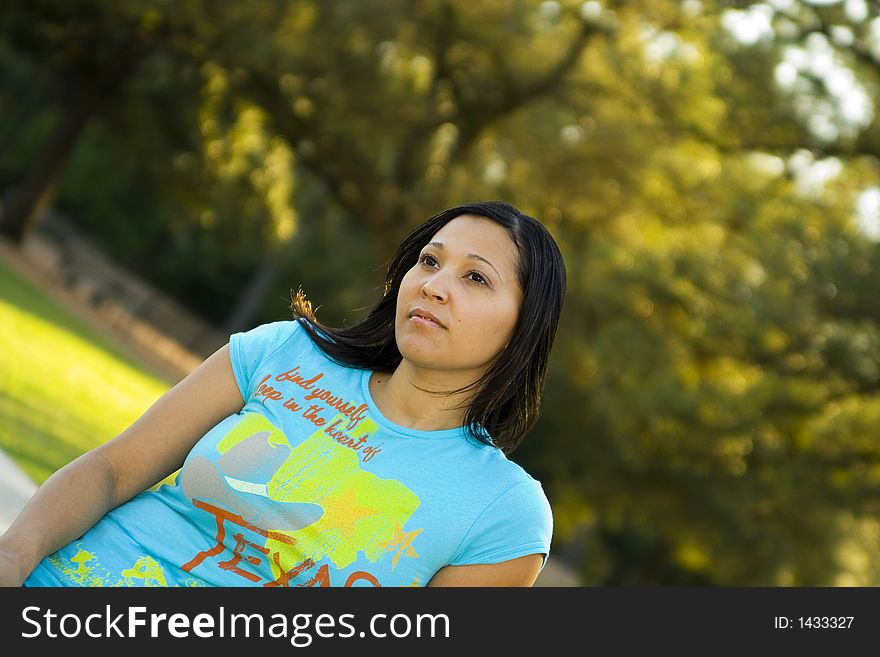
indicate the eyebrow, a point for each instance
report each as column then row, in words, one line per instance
column 439, row 245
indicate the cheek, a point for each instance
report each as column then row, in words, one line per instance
column 492, row 322
column 407, row 286
column 511, row 318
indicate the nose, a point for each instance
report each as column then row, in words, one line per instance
column 435, row 289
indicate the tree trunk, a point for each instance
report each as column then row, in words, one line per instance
column 26, row 197
column 32, row 192
column 251, row 298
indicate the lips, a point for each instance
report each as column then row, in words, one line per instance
column 424, row 314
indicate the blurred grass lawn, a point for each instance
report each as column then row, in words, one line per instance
column 64, row 388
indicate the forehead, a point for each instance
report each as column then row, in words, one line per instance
column 470, row 234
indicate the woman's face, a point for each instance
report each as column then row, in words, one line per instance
column 466, row 278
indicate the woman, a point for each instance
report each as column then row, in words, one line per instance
column 368, row 456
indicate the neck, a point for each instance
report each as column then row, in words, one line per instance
column 401, row 397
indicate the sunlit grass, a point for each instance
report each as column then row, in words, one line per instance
column 64, row 389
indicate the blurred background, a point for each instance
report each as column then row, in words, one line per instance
column 170, row 170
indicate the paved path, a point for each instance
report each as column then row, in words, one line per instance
column 15, row 489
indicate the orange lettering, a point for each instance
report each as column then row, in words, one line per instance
column 232, row 564
column 321, row 578
column 221, row 516
column 359, row 575
column 284, row 578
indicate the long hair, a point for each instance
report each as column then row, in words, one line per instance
column 507, row 400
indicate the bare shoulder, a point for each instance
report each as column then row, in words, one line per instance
column 522, row 571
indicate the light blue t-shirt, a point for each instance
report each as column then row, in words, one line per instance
column 309, row 485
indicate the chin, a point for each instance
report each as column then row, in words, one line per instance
column 420, row 357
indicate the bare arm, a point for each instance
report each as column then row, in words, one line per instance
column 516, row 572
column 155, row 445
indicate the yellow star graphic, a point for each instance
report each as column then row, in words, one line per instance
column 403, row 542
column 346, row 512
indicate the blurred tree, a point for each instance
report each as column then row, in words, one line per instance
column 712, row 448
column 88, row 51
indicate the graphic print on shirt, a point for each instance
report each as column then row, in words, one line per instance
column 84, row 569
column 293, row 507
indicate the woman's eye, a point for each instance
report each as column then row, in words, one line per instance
column 431, row 261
